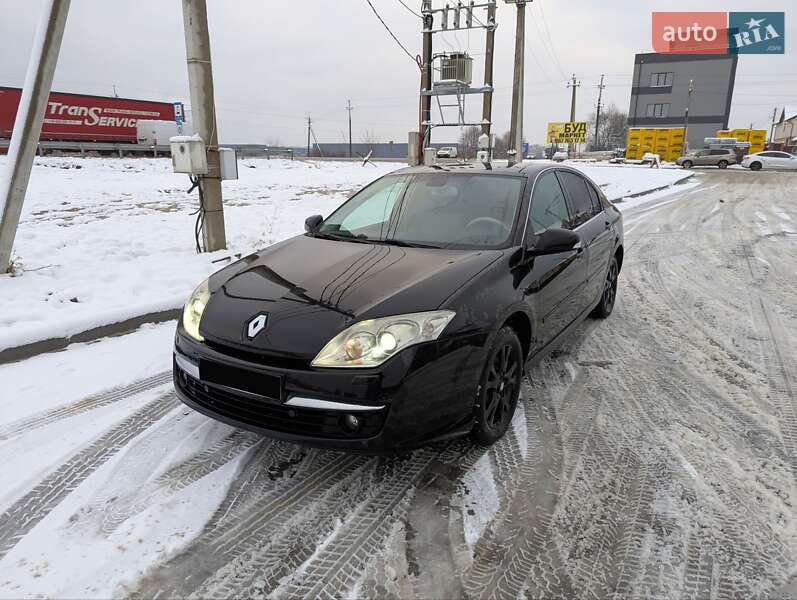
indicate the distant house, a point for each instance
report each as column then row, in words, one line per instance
column 785, row 133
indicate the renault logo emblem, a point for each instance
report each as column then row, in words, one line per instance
column 256, row 325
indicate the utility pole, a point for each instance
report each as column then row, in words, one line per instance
column 426, row 79
column 487, row 105
column 575, row 85
column 686, row 115
column 515, row 150
column 598, row 112
column 772, row 129
column 348, row 107
column 28, row 123
column 203, row 115
column 309, row 125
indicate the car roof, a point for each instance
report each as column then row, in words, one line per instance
column 529, row 170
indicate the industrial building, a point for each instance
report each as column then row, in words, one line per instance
column 660, row 93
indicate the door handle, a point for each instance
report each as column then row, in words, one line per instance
column 608, row 224
column 579, row 248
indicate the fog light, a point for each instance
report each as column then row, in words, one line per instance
column 351, row 423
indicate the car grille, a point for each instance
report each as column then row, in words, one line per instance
column 275, row 416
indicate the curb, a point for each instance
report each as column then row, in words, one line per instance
column 658, row 189
column 17, row 353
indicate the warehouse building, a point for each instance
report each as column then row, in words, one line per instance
column 660, row 92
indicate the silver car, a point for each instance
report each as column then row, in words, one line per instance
column 718, row 157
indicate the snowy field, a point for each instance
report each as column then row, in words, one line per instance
column 652, row 455
column 104, row 239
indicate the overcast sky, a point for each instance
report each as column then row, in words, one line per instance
column 277, row 61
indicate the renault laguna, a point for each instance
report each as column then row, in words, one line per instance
column 408, row 315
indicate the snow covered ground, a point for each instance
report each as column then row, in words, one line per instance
column 652, row 456
column 105, row 239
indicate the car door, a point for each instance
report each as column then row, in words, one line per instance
column 551, row 283
column 595, row 233
column 784, row 160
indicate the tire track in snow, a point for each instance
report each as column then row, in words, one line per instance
column 339, row 562
column 34, row 506
column 240, row 526
column 104, row 398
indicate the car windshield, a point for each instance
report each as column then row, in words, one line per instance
column 440, row 210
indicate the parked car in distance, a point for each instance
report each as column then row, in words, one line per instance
column 447, row 152
column 559, row 155
column 716, row 157
column 770, row 159
column 408, row 315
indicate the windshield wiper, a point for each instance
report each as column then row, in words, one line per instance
column 405, row 244
column 342, row 235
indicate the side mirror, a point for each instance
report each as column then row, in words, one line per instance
column 311, row 224
column 554, row 241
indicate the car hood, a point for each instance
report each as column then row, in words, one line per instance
column 312, row 288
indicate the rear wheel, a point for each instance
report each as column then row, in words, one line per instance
column 499, row 388
column 723, row 164
column 756, row 166
column 606, row 304
column 687, row 164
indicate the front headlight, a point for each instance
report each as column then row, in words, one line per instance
column 370, row 343
column 192, row 312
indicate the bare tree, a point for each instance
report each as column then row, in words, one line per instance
column 369, row 138
column 612, row 128
column 469, row 141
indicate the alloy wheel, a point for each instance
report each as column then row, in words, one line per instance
column 501, row 386
column 610, row 287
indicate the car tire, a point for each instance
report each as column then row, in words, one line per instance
column 609, row 293
column 756, row 166
column 687, row 164
column 723, row 164
column 499, row 388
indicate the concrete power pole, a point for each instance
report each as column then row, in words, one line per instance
column 203, row 114
column 686, row 115
column 772, row 128
column 598, row 112
column 426, row 79
column 348, row 107
column 28, row 124
column 575, row 85
column 487, row 105
column 515, row 150
column 309, row 127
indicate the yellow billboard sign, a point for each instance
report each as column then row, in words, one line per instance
column 567, row 132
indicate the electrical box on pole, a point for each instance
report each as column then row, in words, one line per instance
column 454, row 69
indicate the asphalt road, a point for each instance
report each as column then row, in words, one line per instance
column 654, row 453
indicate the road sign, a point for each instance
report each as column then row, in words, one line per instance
column 179, row 115
column 568, row 132
column 525, row 148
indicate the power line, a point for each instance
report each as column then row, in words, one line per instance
column 407, row 52
column 409, row 9
column 550, row 42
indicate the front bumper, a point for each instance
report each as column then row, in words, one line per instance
column 423, row 394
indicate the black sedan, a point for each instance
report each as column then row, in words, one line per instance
column 408, row 315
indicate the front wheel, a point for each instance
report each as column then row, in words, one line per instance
column 723, row 164
column 499, row 389
column 687, row 164
column 606, row 304
column 756, row 166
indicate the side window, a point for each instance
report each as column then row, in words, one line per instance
column 718, row 152
column 597, row 206
column 577, row 193
column 548, row 206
